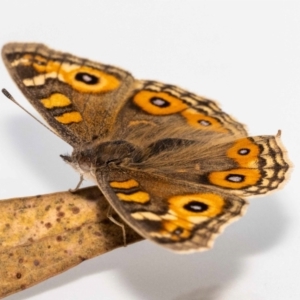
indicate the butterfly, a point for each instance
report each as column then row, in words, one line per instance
column 172, row 164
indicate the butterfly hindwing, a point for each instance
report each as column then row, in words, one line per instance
column 184, row 202
column 181, row 216
column 259, row 165
column 244, row 166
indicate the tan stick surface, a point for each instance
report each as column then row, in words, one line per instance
column 42, row 236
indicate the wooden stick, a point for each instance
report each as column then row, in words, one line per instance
column 42, row 236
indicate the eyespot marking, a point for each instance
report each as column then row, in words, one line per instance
column 82, row 78
column 235, row 179
column 245, row 152
column 178, row 231
column 69, row 117
column 173, row 230
column 187, row 211
column 56, row 100
column 196, row 206
column 201, row 121
column 158, row 103
column 86, row 78
column 204, row 122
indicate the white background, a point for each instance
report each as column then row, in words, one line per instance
column 244, row 54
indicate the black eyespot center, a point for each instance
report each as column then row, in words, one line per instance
column 235, row 178
column 243, row 151
column 159, row 102
column 196, row 206
column 87, row 78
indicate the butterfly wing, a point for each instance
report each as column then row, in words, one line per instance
column 258, row 165
column 181, row 194
column 244, row 166
column 181, row 216
column 76, row 96
column 172, row 112
column 84, row 100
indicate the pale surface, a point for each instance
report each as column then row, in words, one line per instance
column 244, row 54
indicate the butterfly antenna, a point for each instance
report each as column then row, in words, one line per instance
column 278, row 133
column 11, row 98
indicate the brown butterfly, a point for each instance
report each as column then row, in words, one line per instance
column 172, row 164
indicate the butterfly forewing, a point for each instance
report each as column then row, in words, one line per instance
column 77, row 97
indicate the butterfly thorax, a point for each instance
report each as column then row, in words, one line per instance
column 96, row 155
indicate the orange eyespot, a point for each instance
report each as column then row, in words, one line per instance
column 82, row 78
column 88, row 80
column 176, row 230
column 158, row 103
column 235, row 179
column 201, row 121
column 187, row 211
column 196, row 205
column 245, row 153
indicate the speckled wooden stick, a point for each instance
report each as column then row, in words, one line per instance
column 42, row 236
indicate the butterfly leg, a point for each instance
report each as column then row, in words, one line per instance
column 111, row 218
column 78, row 185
